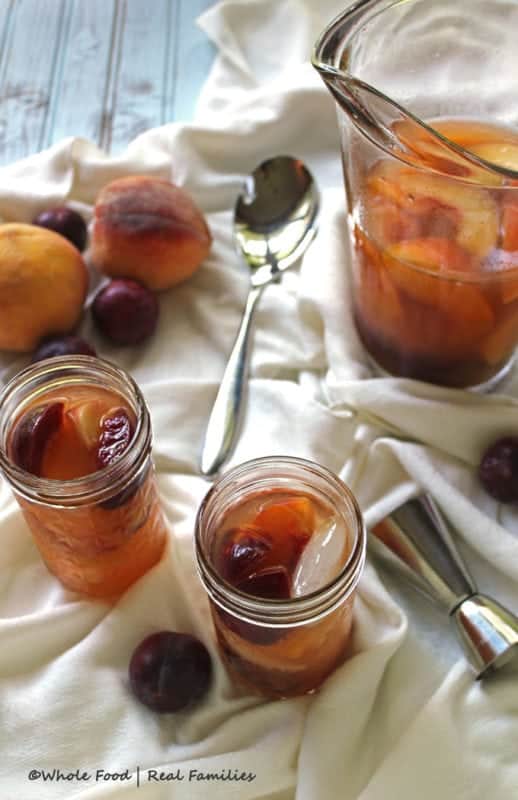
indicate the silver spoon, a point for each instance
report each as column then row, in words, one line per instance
column 275, row 219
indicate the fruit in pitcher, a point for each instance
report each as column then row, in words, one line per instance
column 43, row 285
column 470, row 315
column 170, row 671
column 471, row 209
column 150, row 230
column 498, row 470
column 62, row 346
column 126, row 312
column 66, row 222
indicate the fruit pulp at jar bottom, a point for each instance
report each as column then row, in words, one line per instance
column 97, row 549
column 436, row 272
column 281, row 545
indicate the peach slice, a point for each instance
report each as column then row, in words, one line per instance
column 464, row 304
column 424, row 150
column 377, row 299
column 66, row 456
column 504, row 154
column 387, row 222
column 412, row 190
column 468, row 133
column 86, row 416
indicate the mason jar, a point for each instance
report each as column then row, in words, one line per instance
column 100, row 532
column 287, row 641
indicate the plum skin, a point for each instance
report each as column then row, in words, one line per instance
column 62, row 346
column 498, row 470
column 66, row 222
column 170, row 671
column 125, row 311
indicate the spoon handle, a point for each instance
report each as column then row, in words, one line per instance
column 224, row 417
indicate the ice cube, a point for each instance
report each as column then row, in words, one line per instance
column 321, row 558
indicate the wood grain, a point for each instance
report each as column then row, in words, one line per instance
column 78, row 102
column 105, row 70
column 32, row 41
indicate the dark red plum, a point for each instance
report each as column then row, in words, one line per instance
column 126, row 312
column 498, row 470
column 65, row 221
column 170, row 671
column 62, row 346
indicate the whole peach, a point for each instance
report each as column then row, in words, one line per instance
column 43, row 285
column 149, row 230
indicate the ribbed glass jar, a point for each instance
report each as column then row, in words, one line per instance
column 98, row 533
column 280, row 647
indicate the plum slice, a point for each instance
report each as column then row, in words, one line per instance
column 270, row 583
column 115, row 435
column 32, row 433
column 242, row 550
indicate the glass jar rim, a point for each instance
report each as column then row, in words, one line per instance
column 296, row 610
column 97, row 486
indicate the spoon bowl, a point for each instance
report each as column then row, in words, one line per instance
column 275, row 220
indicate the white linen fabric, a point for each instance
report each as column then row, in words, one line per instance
column 403, row 717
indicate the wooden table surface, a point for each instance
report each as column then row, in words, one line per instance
column 105, row 70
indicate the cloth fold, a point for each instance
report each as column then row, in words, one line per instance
column 403, row 716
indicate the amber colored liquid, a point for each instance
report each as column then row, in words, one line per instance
column 95, row 549
column 436, row 283
column 270, row 660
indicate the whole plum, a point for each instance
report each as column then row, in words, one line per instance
column 170, row 671
column 62, row 346
column 67, row 222
column 498, row 470
column 125, row 312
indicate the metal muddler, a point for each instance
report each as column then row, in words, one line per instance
column 416, row 539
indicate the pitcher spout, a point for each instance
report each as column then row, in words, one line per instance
column 385, row 122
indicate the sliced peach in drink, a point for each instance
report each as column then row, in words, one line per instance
column 503, row 154
column 412, row 190
column 377, row 299
column 288, row 525
column 465, row 305
column 468, row 133
column 388, row 222
column 66, row 456
column 424, row 149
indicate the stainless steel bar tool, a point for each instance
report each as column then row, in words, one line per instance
column 416, row 540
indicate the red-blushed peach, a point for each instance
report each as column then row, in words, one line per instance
column 150, row 230
column 43, row 285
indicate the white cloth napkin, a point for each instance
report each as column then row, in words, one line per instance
column 403, row 718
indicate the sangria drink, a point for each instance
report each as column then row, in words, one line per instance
column 280, row 547
column 428, row 118
column 75, row 445
column 436, row 256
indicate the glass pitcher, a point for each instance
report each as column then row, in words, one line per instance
column 427, row 101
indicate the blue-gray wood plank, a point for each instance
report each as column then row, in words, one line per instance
column 105, row 70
